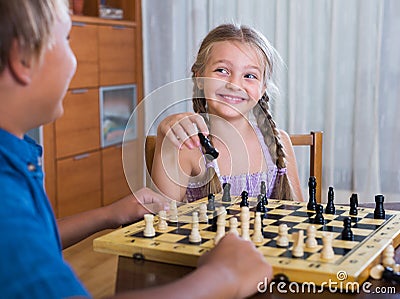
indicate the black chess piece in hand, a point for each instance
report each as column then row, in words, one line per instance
column 210, row 151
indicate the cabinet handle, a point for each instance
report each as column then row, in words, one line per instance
column 79, row 90
column 80, row 157
column 79, row 24
column 118, row 27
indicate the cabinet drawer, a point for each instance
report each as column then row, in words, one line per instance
column 85, row 46
column 78, row 130
column 114, row 182
column 116, row 55
column 78, row 184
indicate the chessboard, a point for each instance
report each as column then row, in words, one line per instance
column 350, row 262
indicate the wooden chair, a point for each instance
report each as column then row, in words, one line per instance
column 313, row 140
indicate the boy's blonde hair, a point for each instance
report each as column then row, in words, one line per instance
column 30, row 23
column 269, row 58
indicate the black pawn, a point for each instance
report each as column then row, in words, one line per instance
column 319, row 217
column 263, row 188
column 260, row 206
column 312, row 189
column 353, row 204
column 379, row 212
column 226, row 196
column 347, row 234
column 211, row 202
column 330, row 207
column 245, row 197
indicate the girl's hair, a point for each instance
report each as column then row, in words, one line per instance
column 30, row 23
column 269, row 59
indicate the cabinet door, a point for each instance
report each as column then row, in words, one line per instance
column 83, row 39
column 78, row 184
column 116, row 55
column 114, row 182
column 78, row 130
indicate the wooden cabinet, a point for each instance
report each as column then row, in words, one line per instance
column 78, row 184
column 78, row 130
column 116, row 55
column 81, row 172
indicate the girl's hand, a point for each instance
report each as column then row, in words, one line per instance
column 182, row 128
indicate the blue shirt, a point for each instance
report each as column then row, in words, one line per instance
column 31, row 262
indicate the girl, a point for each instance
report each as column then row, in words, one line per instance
column 232, row 84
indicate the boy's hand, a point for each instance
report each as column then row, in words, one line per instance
column 240, row 265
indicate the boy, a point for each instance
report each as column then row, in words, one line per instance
column 36, row 66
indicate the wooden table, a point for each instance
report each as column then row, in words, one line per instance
column 137, row 274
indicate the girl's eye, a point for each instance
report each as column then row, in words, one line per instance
column 250, row 76
column 221, row 70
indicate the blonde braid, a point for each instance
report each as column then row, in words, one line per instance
column 267, row 126
column 200, row 106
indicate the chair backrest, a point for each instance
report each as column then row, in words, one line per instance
column 313, row 140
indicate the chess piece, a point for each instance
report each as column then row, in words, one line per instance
column 312, row 189
column 263, row 193
column 260, row 206
column 221, row 222
column 330, row 207
column 379, row 212
column 210, row 151
column 353, row 204
column 347, row 233
column 245, row 222
column 233, row 225
column 162, row 220
column 257, row 234
column 203, row 213
column 298, row 245
column 327, row 252
column 194, row 236
column 390, row 275
column 226, row 196
column 211, row 202
column 245, row 197
column 388, row 256
column 311, row 242
column 376, row 271
column 173, row 211
column 282, row 240
column 149, row 231
column 319, row 217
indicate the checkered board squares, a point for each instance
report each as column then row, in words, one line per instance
column 371, row 237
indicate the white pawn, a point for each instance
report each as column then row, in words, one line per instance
column 298, row 244
column 245, row 220
column 221, row 222
column 388, row 256
column 233, row 225
column 173, row 211
column 327, row 252
column 203, row 213
column 311, row 242
column 162, row 223
column 149, row 230
column 282, row 240
column 257, row 235
column 194, row 236
column 376, row 271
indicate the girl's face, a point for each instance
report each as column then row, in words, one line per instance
column 236, row 79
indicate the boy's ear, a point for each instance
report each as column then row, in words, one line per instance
column 19, row 65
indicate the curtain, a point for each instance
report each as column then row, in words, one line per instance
column 341, row 76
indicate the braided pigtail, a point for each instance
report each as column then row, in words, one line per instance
column 200, row 106
column 267, row 125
